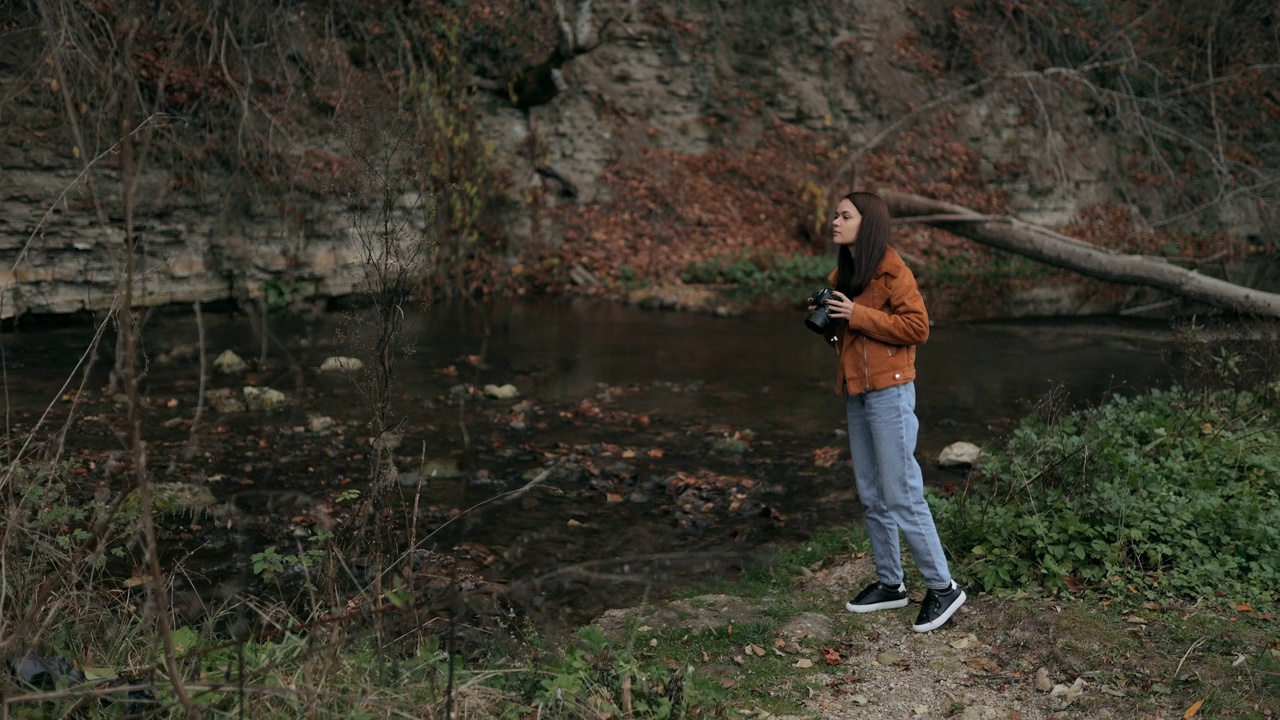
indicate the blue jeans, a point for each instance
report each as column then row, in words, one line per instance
column 882, row 437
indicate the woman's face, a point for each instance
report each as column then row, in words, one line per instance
column 844, row 226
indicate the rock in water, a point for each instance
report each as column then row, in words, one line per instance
column 317, row 423
column 229, row 363
column 341, row 364
column 430, row 470
column 224, row 400
column 263, row 398
column 176, row 497
column 501, row 392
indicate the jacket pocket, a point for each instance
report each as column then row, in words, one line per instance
column 875, row 296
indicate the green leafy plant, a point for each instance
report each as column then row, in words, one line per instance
column 588, row 678
column 269, row 563
column 1169, row 494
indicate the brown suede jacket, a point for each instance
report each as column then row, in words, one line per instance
column 878, row 348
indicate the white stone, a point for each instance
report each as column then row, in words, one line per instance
column 959, row 455
column 263, row 398
column 341, row 364
column 224, row 401
column 319, row 423
column 501, row 392
column 430, row 470
column 229, row 363
column 1042, row 681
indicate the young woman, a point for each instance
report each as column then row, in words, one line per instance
column 881, row 318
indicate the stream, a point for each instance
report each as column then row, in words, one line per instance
column 674, row 445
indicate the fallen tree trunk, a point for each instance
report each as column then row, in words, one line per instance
column 1053, row 248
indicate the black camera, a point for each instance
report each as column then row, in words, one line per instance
column 820, row 319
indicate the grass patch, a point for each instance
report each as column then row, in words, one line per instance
column 781, row 568
column 762, row 271
column 1145, row 664
column 967, row 266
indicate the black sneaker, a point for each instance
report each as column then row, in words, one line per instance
column 938, row 607
column 878, row 596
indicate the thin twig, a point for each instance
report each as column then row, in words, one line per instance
column 1185, row 655
column 204, row 371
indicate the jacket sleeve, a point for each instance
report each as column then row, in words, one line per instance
column 906, row 322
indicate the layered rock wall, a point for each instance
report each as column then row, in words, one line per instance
column 60, row 256
column 833, row 68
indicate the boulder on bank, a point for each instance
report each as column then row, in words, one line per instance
column 959, row 456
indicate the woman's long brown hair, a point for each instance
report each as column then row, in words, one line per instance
column 856, row 267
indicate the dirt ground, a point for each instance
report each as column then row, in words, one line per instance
column 997, row 658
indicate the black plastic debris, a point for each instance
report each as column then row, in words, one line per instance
column 56, row 672
column 45, row 673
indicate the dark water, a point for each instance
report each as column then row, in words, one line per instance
column 691, row 378
column 767, row 372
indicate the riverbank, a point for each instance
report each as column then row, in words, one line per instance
column 780, row 644
column 775, row 643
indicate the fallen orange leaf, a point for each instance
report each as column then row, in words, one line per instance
column 1191, row 711
column 831, row 656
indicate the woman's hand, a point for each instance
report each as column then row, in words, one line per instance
column 840, row 306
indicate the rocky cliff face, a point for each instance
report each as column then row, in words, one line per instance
column 59, row 259
column 842, row 70
column 60, row 255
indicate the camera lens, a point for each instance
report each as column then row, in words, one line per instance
column 820, row 319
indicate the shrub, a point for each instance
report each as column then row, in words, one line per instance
column 1169, row 494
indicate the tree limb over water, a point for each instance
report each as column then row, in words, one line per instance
column 1053, row 248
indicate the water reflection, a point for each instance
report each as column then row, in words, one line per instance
column 760, row 370
column 766, row 371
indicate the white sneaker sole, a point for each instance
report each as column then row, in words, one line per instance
column 944, row 617
column 888, row 605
